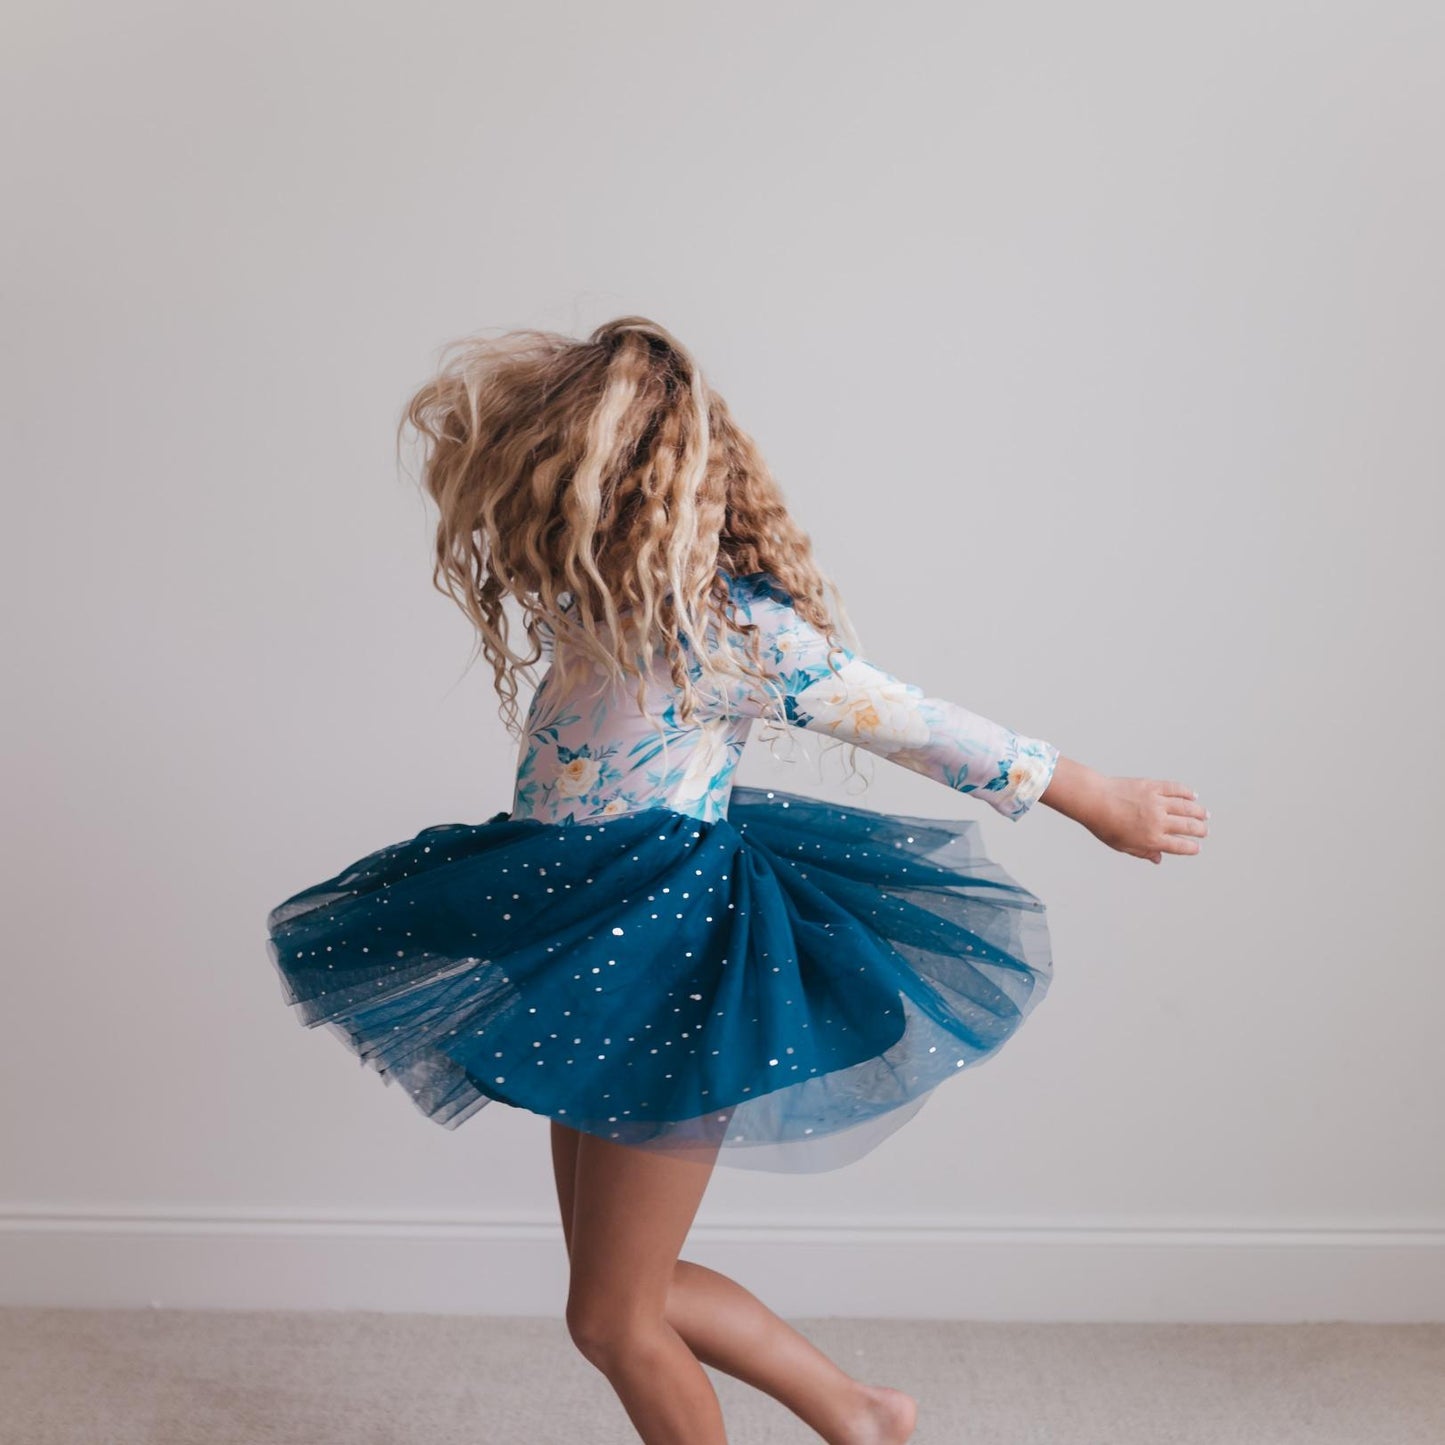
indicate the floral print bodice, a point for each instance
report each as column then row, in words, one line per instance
column 586, row 754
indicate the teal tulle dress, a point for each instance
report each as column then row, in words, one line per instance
column 647, row 952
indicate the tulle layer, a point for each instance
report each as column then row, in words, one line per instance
column 780, row 989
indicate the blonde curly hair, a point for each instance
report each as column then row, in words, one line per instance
column 602, row 487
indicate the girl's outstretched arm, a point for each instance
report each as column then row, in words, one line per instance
column 858, row 702
column 862, row 704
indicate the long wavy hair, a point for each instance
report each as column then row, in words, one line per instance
column 600, row 487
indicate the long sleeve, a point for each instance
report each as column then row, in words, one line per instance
column 863, row 704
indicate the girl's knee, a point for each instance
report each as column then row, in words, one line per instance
column 610, row 1335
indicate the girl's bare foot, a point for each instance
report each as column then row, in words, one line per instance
column 885, row 1417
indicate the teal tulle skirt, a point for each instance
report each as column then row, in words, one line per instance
column 778, row 989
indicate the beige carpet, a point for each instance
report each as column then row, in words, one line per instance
column 172, row 1377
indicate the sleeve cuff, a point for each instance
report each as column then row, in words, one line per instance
column 1028, row 776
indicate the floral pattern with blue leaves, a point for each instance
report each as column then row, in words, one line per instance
column 584, row 756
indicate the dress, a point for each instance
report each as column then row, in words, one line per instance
column 647, row 952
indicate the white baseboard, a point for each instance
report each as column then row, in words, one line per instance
column 217, row 1258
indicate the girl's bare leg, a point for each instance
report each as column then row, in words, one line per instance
column 631, row 1211
column 729, row 1328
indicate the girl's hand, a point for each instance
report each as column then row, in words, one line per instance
column 1145, row 817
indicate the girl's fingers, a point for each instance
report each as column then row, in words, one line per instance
column 1191, row 827
column 1184, row 822
column 1186, row 809
column 1185, row 818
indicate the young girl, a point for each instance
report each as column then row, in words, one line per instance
column 673, row 970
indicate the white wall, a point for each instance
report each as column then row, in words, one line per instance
column 1099, row 349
